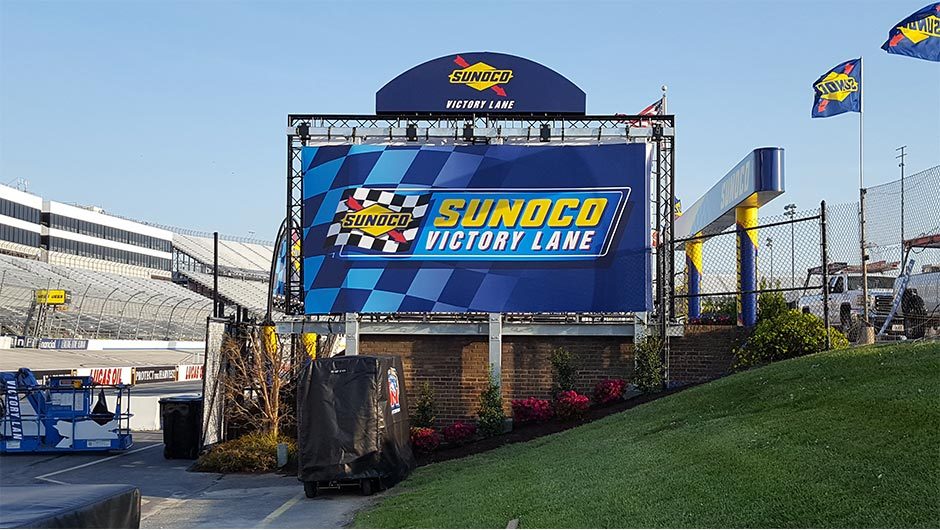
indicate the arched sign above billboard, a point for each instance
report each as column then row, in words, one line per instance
column 480, row 83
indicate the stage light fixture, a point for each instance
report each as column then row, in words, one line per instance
column 468, row 131
column 545, row 133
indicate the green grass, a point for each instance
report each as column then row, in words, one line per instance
column 848, row 438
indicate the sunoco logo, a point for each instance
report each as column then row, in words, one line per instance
column 836, row 86
column 480, row 76
column 376, row 220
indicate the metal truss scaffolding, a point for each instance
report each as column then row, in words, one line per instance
column 659, row 131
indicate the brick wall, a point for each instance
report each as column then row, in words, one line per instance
column 457, row 366
column 703, row 353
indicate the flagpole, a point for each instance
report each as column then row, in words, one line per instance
column 861, row 197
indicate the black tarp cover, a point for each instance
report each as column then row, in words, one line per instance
column 350, row 423
column 70, row 506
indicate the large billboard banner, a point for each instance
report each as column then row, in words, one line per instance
column 487, row 228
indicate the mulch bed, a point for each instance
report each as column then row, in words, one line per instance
column 526, row 432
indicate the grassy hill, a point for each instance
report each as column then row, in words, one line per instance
column 847, row 438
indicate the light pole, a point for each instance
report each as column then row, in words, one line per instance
column 770, row 246
column 790, row 211
column 901, row 165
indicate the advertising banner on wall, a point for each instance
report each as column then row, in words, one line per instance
column 108, row 376
column 154, row 374
column 489, row 228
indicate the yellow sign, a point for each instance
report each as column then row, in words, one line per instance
column 836, row 86
column 480, row 76
column 919, row 30
column 51, row 296
column 376, row 220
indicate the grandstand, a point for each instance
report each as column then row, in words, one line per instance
column 244, row 266
column 117, row 273
column 101, row 304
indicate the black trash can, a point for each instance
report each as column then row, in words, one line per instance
column 352, row 423
column 182, row 426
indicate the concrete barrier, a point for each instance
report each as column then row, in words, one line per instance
column 145, row 410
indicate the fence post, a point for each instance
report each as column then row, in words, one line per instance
column 824, row 249
column 81, row 307
column 101, row 313
column 140, row 315
column 169, row 321
column 121, row 322
column 156, row 315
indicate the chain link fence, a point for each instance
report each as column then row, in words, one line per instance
column 790, row 253
column 789, row 257
column 99, row 306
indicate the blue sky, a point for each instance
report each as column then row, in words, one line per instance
column 174, row 112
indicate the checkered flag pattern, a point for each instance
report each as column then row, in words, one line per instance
column 394, row 241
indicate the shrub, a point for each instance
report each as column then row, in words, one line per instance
column 570, row 405
column 425, row 439
column 531, row 410
column 459, row 432
column 720, row 308
column 609, row 390
column 562, row 371
column 491, row 416
column 789, row 334
column 648, row 376
column 713, row 319
column 424, row 407
column 252, row 453
column 770, row 305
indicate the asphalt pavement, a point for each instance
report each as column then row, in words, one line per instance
column 165, row 389
column 176, row 498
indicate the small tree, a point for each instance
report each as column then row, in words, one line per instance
column 491, row 415
column 562, row 371
column 424, row 407
column 648, row 375
column 256, row 371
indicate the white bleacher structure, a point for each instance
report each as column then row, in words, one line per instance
column 101, row 305
column 244, row 266
column 125, row 279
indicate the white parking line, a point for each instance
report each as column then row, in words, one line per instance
column 281, row 509
column 73, row 468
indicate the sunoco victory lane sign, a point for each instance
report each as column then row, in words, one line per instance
column 490, row 228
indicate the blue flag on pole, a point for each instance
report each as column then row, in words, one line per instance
column 839, row 90
column 917, row 35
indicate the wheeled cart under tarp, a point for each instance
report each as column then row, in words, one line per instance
column 352, row 423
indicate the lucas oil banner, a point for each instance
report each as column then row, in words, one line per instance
column 488, row 228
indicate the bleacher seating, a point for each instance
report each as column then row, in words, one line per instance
column 249, row 294
column 232, row 254
column 103, row 305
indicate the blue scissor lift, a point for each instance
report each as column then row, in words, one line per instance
column 64, row 415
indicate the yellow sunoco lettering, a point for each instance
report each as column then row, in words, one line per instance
column 450, row 212
column 535, row 212
column 557, row 218
column 522, row 213
column 476, row 215
column 591, row 211
column 506, row 214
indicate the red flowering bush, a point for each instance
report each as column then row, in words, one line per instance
column 609, row 390
column 459, row 432
column 531, row 410
column 425, row 439
column 570, row 405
